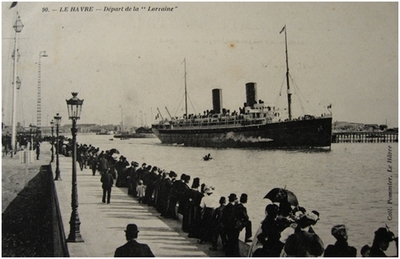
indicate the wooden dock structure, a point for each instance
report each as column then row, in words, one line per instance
column 365, row 137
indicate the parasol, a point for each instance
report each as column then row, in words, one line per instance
column 282, row 195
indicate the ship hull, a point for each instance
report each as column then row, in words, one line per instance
column 135, row 135
column 312, row 133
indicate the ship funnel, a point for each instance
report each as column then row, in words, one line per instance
column 251, row 94
column 217, row 100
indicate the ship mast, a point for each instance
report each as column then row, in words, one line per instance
column 186, row 111
column 289, row 94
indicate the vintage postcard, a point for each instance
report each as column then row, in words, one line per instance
column 287, row 111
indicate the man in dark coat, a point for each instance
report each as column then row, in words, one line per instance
column 37, row 150
column 146, row 178
column 103, row 164
column 229, row 224
column 243, row 217
column 165, row 192
column 341, row 248
column 216, row 225
column 150, row 185
column 132, row 248
column 181, row 189
column 108, row 182
column 177, row 188
column 93, row 163
column 120, row 167
column 157, row 188
column 131, row 172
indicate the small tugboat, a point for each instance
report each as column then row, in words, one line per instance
column 207, row 157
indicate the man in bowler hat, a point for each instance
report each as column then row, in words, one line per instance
column 132, row 248
column 107, row 180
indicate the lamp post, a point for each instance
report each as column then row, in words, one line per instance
column 52, row 140
column 30, row 136
column 57, row 120
column 18, row 28
column 74, row 110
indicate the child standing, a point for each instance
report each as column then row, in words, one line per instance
column 140, row 190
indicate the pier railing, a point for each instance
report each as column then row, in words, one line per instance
column 365, row 137
column 60, row 248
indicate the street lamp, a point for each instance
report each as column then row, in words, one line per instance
column 18, row 28
column 74, row 106
column 57, row 120
column 52, row 140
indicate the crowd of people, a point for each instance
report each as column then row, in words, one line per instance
column 287, row 230
column 205, row 216
column 23, row 141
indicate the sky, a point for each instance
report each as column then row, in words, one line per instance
column 126, row 64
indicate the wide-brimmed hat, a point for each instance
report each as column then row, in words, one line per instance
column 307, row 219
column 384, row 234
column 131, row 228
column 209, row 189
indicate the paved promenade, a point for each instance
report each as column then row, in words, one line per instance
column 103, row 225
column 16, row 174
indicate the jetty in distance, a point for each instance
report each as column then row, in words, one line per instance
column 344, row 132
column 365, row 137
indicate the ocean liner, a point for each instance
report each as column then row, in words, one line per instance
column 255, row 125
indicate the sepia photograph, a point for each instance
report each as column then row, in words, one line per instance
column 199, row 129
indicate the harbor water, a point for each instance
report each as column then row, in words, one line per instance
column 355, row 184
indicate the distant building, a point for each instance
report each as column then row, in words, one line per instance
column 82, row 128
column 344, row 126
column 371, row 127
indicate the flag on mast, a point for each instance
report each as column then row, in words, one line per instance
column 283, row 29
column 13, row 4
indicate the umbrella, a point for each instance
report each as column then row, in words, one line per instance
column 280, row 195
